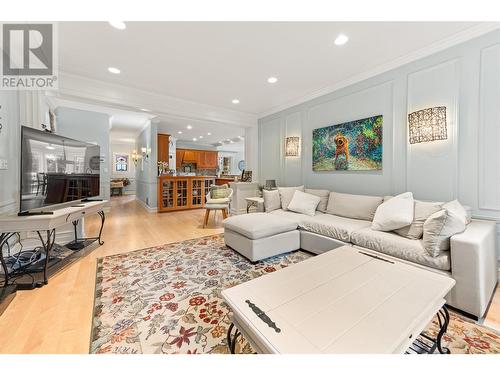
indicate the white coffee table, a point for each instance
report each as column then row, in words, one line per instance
column 347, row 300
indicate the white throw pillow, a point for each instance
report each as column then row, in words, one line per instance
column 323, row 194
column 458, row 210
column 438, row 228
column 422, row 210
column 394, row 213
column 271, row 200
column 286, row 195
column 304, row 203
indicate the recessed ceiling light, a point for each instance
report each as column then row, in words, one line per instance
column 200, row 137
column 240, row 137
column 49, row 147
column 114, row 70
column 179, row 132
column 272, row 80
column 144, row 110
column 194, row 139
column 235, row 101
column 189, row 127
column 231, row 141
column 120, row 25
column 209, row 133
column 341, row 39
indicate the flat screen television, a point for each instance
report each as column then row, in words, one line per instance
column 56, row 169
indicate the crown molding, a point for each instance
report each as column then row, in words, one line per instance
column 441, row 45
column 93, row 91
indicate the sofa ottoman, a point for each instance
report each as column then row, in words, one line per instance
column 258, row 236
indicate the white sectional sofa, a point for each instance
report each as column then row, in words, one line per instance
column 470, row 260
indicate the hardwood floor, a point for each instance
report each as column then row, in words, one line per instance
column 57, row 318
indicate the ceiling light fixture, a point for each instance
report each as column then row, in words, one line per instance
column 341, row 39
column 194, row 139
column 189, row 127
column 272, row 80
column 209, row 133
column 179, row 132
column 50, row 147
column 144, row 110
column 113, row 70
column 200, row 137
column 120, row 25
column 235, row 101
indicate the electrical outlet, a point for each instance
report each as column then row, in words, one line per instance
column 3, row 164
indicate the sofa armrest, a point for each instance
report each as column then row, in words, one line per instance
column 474, row 267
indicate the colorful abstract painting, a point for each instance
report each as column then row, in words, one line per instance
column 351, row 146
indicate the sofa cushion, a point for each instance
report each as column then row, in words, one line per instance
column 438, row 228
column 286, row 195
column 304, row 203
column 422, row 210
column 258, row 225
column 293, row 216
column 272, row 200
column 400, row 247
column 361, row 207
column 394, row 213
column 333, row 226
column 323, row 194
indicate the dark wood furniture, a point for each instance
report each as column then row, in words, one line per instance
column 182, row 192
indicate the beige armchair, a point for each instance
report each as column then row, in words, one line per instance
column 217, row 204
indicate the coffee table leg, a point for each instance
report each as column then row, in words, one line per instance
column 231, row 340
column 444, row 320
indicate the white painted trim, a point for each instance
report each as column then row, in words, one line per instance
column 458, row 38
column 481, row 187
column 93, row 91
column 146, row 207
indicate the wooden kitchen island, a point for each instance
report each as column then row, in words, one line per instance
column 182, row 192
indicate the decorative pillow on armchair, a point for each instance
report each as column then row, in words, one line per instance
column 219, row 191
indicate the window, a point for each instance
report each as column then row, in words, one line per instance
column 121, row 163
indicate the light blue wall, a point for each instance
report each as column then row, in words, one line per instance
column 460, row 78
column 92, row 127
column 146, row 170
column 464, row 78
column 10, row 143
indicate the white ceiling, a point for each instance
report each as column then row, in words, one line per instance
column 214, row 62
column 219, row 132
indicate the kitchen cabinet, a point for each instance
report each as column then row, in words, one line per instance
column 179, row 156
column 202, row 159
column 163, row 147
column 182, row 192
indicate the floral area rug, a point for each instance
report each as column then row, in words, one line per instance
column 167, row 299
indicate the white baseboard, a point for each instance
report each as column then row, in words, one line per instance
column 146, row 207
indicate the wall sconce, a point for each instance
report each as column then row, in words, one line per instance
column 135, row 157
column 292, row 146
column 427, row 125
column 144, row 152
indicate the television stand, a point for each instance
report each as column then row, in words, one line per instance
column 36, row 274
column 91, row 200
column 35, row 213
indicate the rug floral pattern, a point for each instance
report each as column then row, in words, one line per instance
column 167, row 299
